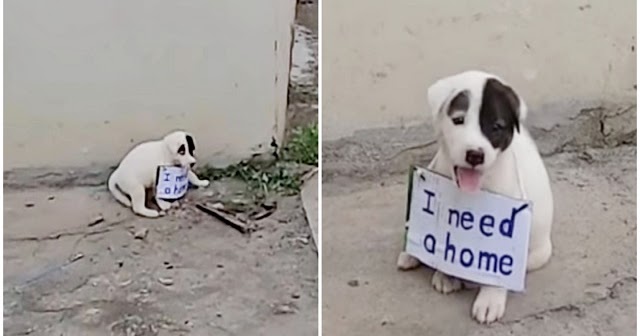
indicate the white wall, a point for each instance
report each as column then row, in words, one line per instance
column 84, row 79
column 380, row 56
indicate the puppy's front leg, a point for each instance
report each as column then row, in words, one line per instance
column 407, row 262
column 445, row 284
column 164, row 205
column 490, row 304
column 193, row 178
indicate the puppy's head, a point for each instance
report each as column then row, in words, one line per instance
column 476, row 115
column 181, row 147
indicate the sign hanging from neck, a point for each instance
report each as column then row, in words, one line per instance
column 171, row 182
column 481, row 237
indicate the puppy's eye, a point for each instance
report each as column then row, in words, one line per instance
column 181, row 150
column 458, row 120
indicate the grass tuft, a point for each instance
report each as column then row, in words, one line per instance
column 283, row 176
column 303, row 145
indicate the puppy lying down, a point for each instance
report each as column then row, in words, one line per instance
column 137, row 171
column 483, row 145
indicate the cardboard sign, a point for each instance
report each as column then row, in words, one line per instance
column 481, row 237
column 172, row 182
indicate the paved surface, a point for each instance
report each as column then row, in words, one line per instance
column 589, row 288
column 187, row 274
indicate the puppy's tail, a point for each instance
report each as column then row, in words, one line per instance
column 115, row 191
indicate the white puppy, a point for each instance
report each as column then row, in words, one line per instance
column 483, row 145
column 137, row 171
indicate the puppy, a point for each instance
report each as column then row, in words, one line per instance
column 137, row 171
column 483, row 145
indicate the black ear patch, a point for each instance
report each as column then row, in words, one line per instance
column 499, row 113
column 191, row 145
column 459, row 103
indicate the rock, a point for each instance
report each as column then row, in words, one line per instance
column 51, row 198
column 76, row 257
column 295, row 295
column 125, row 283
column 218, row 205
column 269, row 204
column 141, row 234
column 386, row 321
column 29, row 204
column 282, row 309
column 166, row 281
column 353, row 283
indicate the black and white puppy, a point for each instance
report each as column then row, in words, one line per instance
column 137, row 171
column 483, row 145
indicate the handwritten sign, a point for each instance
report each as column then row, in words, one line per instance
column 172, row 182
column 481, row 237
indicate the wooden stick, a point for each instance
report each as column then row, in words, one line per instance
column 223, row 217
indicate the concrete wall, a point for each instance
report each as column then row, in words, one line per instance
column 85, row 79
column 379, row 56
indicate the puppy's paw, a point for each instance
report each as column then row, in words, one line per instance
column 445, row 284
column 148, row 213
column 164, row 205
column 407, row 262
column 203, row 183
column 490, row 304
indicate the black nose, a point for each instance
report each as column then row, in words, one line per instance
column 475, row 157
column 192, row 164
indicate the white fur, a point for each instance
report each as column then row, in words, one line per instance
column 137, row 172
column 499, row 174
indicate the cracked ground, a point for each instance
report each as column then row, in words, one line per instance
column 588, row 288
column 183, row 274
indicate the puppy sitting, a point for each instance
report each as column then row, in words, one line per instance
column 483, row 145
column 137, row 171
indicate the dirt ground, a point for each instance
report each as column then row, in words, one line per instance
column 183, row 274
column 588, row 288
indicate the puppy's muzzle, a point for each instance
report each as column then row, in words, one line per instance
column 474, row 157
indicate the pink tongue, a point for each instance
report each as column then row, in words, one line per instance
column 468, row 179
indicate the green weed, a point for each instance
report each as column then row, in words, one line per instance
column 283, row 176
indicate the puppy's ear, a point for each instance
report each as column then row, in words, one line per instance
column 444, row 97
column 504, row 92
column 191, row 145
column 510, row 96
column 172, row 140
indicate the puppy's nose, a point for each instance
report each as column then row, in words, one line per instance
column 474, row 157
column 192, row 164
